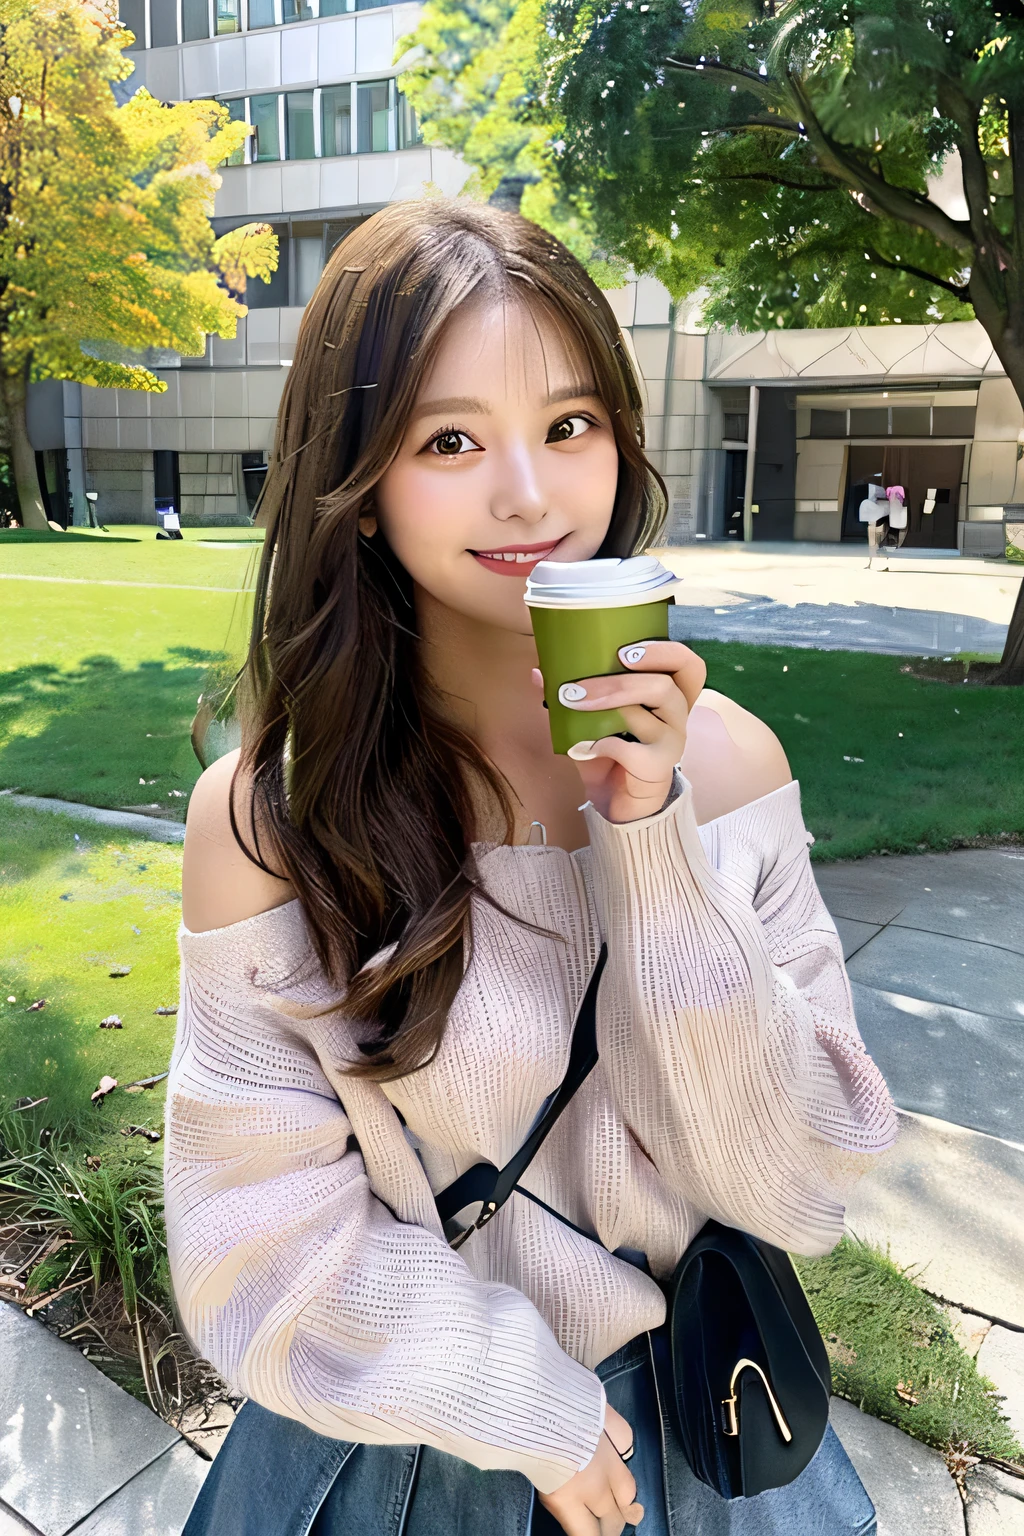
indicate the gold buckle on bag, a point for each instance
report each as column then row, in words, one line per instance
column 731, row 1417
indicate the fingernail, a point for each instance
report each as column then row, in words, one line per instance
column 571, row 693
column 582, row 752
column 629, row 655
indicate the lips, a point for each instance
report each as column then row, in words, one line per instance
column 514, row 559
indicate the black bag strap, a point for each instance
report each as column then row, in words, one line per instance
column 492, row 1186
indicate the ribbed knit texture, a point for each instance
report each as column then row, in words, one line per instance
column 312, row 1270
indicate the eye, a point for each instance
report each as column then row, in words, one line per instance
column 448, row 443
column 569, row 427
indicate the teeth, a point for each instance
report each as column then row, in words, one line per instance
column 520, row 559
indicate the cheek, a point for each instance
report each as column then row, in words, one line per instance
column 420, row 515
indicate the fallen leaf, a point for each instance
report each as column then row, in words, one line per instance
column 107, row 1085
column 92, row 1163
column 112, row 1021
column 141, row 1130
column 120, row 970
column 40, row 1002
column 906, row 1394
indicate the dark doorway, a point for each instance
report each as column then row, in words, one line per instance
column 166, row 484
column 52, row 469
column 919, row 468
column 775, row 470
column 735, row 484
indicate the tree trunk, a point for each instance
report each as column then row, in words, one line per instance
column 23, row 458
column 1006, row 340
column 1010, row 671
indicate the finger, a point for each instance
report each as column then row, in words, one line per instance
column 657, row 691
column 633, row 756
column 689, row 669
column 537, row 678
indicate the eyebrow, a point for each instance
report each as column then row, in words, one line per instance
column 458, row 403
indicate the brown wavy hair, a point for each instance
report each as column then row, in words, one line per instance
column 360, row 785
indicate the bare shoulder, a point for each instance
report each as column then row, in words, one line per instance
column 731, row 756
column 220, row 883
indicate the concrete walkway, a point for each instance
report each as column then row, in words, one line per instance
column 935, row 953
column 824, row 597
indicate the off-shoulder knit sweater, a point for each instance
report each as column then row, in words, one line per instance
column 307, row 1259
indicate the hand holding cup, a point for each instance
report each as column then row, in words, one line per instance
column 626, row 780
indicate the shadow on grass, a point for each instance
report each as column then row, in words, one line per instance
column 104, row 734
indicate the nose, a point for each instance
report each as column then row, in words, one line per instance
column 518, row 489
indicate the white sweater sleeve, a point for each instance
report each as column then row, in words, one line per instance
column 726, row 1020
column 303, row 1289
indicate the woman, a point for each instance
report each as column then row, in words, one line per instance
column 381, row 964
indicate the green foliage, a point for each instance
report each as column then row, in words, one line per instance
column 894, row 1354
column 106, row 245
column 110, row 1220
column 776, row 156
column 474, row 85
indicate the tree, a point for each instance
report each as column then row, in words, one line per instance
column 106, row 245
column 474, row 82
column 782, row 156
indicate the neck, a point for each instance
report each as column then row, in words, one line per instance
column 482, row 674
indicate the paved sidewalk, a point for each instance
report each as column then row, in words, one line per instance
column 824, row 597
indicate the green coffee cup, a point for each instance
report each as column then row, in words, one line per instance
column 582, row 612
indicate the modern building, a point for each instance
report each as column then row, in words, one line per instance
column 925, row 406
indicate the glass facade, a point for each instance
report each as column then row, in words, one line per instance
column 163, row 23
column 236, row 112
column 195, row 20
column 132, row 14
column 261, row 13
column 322, row 122
column 373, row 113
column 263, row 114
column 227, row 16
column 336, row 120
column 203, row 18
column 299, row 138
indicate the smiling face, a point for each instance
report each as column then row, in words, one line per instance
column 509, row 458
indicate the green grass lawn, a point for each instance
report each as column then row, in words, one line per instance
column 104, row 659
column 884, row 759
column 77, row 900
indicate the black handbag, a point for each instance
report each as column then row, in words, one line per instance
column 747, row 1374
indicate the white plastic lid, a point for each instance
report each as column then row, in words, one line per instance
column 609, row 583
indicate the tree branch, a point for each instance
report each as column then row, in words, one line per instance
column 958, row 290
column 896, row 202
column 715, row 66
column 779, row 181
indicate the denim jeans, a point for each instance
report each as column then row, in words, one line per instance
column 274, row 1477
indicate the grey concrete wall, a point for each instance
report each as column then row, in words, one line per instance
column 124, row 483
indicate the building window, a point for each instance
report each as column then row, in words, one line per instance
column 336, row 120
column 227, row 16
column 195, row 20
column 261, row 13
column 408, row 123
column 828, row 423
column 297, row 10
column 132, row 14
column 272, row 294
column 236, row 113
column 163, row 23
column 953, row 420
column 374, row 116
column 299, row 125
column 307, row 260
column 263, row 115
